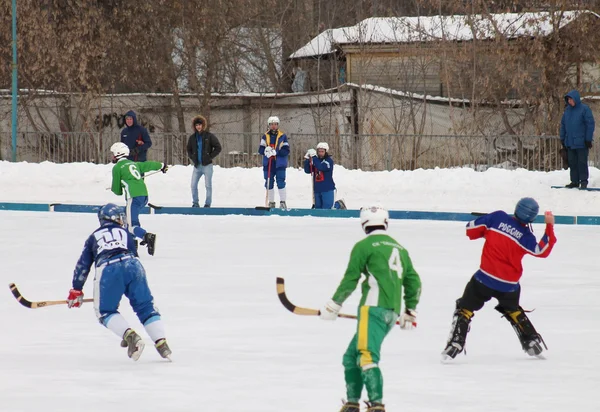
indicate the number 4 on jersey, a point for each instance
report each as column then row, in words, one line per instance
column 395, row 263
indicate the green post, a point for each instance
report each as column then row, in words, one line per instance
column 14, row 81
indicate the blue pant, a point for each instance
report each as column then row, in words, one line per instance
column 133, row 209
column 276, row 175
column 128, row 278
column 578, row 167
column 324, row 200
column 207, row 171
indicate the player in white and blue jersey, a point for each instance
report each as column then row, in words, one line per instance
column 118, row 272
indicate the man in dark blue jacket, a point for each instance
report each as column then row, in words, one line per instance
column 576, row 135
column 320, row 165
column 136, row 137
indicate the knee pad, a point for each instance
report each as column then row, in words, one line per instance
column 369, row 366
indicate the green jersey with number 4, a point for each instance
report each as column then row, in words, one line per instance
column 127, row 177
column 388, row 270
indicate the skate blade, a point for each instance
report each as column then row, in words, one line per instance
column 139, row 349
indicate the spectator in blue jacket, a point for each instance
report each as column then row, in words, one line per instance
column 320, row 165
column 275, row 149
column 136, row 137
column 576, row 135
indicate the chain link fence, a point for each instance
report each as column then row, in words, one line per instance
column 365, row 152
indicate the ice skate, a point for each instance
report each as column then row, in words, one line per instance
column 272, row 205
column 341, row 204
column 451, row 351
column 134, row 344
column 150, row 241
column 350, row 407
column 163, row 348
column 458, row 334
column 533, row 347
column 282, row 205
column 375, row 407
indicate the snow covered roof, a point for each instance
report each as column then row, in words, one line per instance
column 377, row 30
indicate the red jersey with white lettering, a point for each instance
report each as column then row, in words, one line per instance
column 506, row 242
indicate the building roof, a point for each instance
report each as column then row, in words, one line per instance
column 382, row 30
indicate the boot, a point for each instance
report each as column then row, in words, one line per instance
column 272, row 205
column 375, row 407
column 282, row 205
column 150, row 241
column 458, row 335
column 163, row 348
column 583, row 186
column 531, row 340
column 134, row 344
column 341, row 204
column 572, row 185
column 350, row 407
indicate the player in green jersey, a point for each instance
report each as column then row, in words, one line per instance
column 388, row 270
column 127, row 178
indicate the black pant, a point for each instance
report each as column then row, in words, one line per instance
column 578, row 167
column 476, row 294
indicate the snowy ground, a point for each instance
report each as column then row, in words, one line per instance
column 454, row 190
column 235, row 348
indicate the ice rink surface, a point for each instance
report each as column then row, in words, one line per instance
column 235, row 348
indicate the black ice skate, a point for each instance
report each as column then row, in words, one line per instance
column 150, row 241
column 272, row 205
column 458, row 334
column 350, row 407
column 531, row 341
column 282, row 205
column 163, row 348
column 533, row 347
column 134, row 344
column 375, row 407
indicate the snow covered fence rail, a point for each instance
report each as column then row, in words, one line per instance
column 221, row 211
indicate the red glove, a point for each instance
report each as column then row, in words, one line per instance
column 75, row 298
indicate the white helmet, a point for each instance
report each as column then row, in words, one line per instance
column 374, row 216
column 323, row 145
column 272, row 119
column 119, row 150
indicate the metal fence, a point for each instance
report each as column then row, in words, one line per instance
column 366, row 152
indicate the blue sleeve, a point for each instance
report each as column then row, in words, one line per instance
column 146, row 138
column 284, row 147
column 590, row 124
column 262, row 145
column 324, row 165
column 84, row 264
column 307, row 166
column 563, row 131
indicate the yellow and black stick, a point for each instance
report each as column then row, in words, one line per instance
column 38, row 304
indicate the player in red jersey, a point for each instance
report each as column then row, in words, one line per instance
column 507, row 240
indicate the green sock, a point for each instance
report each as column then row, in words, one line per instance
column 354, row 384
column 374, row 383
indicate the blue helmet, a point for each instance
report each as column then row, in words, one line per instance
column 111, row 213
column 526, row 210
